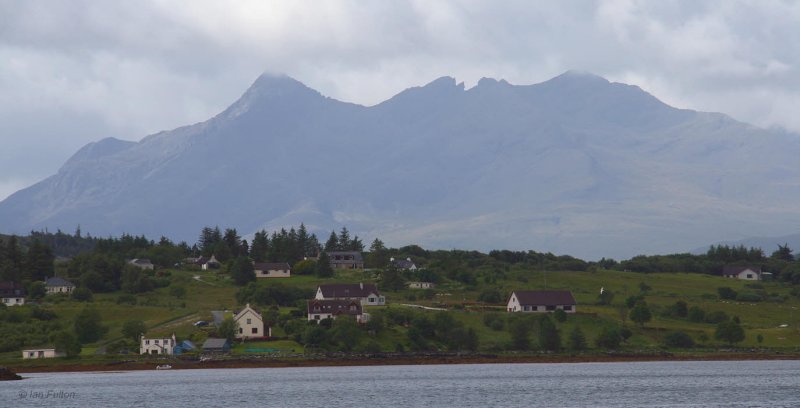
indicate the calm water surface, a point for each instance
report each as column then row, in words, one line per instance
column 656, row 384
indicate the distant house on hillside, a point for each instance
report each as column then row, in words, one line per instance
column 541, row 301
column 12, row 294
column 367, row 294
column 346, row 260
column 159, row 346
column 58, row 285
column 211, row 263
column 41, row 353
column 421, row 285
column 331, row 309
column 142, row 263
column 406, row 264
column 250, row 323
column 742, row 272
column 272, row 270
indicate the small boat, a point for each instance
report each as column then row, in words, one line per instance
column 164, row 367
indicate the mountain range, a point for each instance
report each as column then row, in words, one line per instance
column 575, row 165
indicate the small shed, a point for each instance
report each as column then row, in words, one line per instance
column 215, row 345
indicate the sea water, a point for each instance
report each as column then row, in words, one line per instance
column 645, row 384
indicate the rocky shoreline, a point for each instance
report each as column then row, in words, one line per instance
column 395, row 359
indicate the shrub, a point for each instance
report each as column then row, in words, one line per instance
column 696, row 314
column 726, row 293
column 305, row 267
column 490, row 296
column 748, row 297
column 716, row 316
column 560, row 315
column 576, row 340
column 82, row 295
column 609, row 338
column 678, row 309
column 678, row 339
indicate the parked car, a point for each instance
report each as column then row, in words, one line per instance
column 200, row 323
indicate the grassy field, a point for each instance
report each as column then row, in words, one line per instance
column 164, row 313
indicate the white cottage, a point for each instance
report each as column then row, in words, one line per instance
column 272, row 270
column 742, row 272
column 58, row 285
column 421, row 285
column 541, row 301
column 12, row 294
column 251, row 324
column 159, row 346
column 41, row 353
column 367, row 294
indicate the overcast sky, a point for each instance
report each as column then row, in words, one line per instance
column 79, row 71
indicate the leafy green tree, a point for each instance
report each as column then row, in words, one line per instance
column 490, row 295
column 242, row 271
column 560, row 315
column 228, row 329
column 66, row 342
column 315, row 336
column 730, row 332
column 549, row 338
column 324, row 269
column 305, row 267
column 608, row 338
column 378, row 255
column 133, row 330
column 679, row 309
column 644, row 288
column 345, row 333
column 89, row 326
column 576, row 340
column 135, row 280
column 520, row 334
column 640, row 314
column 392, row 279
column 37, row 290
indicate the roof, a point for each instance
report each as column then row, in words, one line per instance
column 11, row 289
column 213, row 343
column 56, row 281
column 735, row 270
column 403, row 263
column 238, row 315
column 272, row 266
column 355, row 255
column 333, row 306
column 348, row 290
column 545, row 297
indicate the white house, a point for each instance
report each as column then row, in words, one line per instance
column 58, row 285
column 251, row 324
column 742, row 272
column 367, row 294
column 331, row 309
column 541, row 301
column 142, row 263
column 12, row 294
column 41, row 353
column 421, row 285
column 161, row 346
column 272, row 270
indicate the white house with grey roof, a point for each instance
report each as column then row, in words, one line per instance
column 56, row 285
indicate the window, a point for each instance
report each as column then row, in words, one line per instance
column 156, row 341
column 255, row 330
column 567, row 307
column 249, row 321
column 371, row 300
column 147, row 342
column 550, row 308
column 749, row 276
column 527, row 308
column 316, row 317
column 241, row 330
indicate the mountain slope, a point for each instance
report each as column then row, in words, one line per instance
column 576, row 165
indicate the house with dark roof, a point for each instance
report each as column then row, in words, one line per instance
column 214, row 345
column 541, row 301
column 58, row 285
column 142, row 263
column 272, row 270
column 346, row 260
column 331, row 309
column 406, row 264
column 367, row 294
column 211, row 263
column 12, row 294
column 742, row 272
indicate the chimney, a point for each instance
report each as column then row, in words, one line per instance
column 361, row 285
